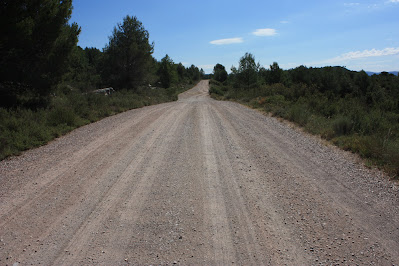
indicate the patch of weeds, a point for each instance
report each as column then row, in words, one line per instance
column 299, row 114
column 342, row 126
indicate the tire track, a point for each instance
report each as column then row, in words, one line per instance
column 284, row 249
column 95, row 151
column 323, row 180
column 122, row 197
column 194, row 182
column 94, row 176
column 217, row 215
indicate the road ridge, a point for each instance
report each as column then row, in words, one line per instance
column 196, row 181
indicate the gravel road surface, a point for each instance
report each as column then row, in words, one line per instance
column 195, row 181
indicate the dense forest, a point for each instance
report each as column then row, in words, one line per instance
column 355, row 111
column 49, row 85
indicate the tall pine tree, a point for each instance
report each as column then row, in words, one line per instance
column 35, row 42
column 128, row 55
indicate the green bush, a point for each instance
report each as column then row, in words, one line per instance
column 215, row 82
column 357, row 112
column 379, row 151
column 391, row 156
column 62, row 115
column 276, row 100
column 342, row 126
column 216, row 90
column 21, row 129
column 299, row 114
column 320, row 125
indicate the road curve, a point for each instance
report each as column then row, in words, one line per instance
column 195, row 181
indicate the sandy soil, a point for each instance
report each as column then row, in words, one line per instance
column 194, row 182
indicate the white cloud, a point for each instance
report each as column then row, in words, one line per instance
column 265, row 32
column 393, row 1
column 284, row 22
column 227, row 41
column 363, row 54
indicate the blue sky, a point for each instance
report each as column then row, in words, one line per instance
column 355, row 34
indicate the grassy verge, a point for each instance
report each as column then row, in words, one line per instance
column 22, row 129
column 346, row 122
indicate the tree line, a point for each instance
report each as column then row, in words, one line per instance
column 39, row 53
column 352, row 109
column 47, row 82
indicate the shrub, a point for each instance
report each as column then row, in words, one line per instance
column 340, row 105
column 342, row 126
column 62, row 115
column 276, row 100
column 320, row 125
column 216, row 90
column 22, row 129
column 299, row 114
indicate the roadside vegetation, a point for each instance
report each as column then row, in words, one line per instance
column 353, row 110
column 49, row 85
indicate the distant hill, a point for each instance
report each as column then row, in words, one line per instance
column 390, row 72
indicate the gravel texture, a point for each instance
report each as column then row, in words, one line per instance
column 194, row 182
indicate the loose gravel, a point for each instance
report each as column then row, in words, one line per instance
column 196, row 181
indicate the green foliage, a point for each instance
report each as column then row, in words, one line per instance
column 219, row 73
column 276, row 73
column 167, row 72
column 83, row 69
column 62, row 115
column 216, row 90
column 342, row 125
column 247, row 72
column 36, row 41
column 299, row 113
column 202, row 74
column 181, row 72
column 21, row 129
column 128, row 55
column 193, row 73
column 47, row 81
column 355, row 111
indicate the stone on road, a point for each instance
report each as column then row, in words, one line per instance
column 195, row 181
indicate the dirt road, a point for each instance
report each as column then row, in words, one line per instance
column 194, row 182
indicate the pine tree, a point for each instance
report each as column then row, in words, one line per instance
column 35, row 42
column 128, row 55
